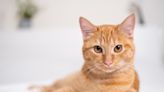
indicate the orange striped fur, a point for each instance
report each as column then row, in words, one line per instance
column 118, row 75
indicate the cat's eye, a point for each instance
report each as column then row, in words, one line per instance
column 98, row 49
column 118, row 48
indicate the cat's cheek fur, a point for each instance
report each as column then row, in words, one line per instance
column 128, row 55
column 92, row 57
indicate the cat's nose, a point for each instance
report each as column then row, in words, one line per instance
column 108, row 63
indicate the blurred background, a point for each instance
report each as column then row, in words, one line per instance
column 40, row 40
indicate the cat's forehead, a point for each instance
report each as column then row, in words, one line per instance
column 107, row 27
column 107, row 32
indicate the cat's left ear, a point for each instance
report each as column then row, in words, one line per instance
column 128, row 25
column 87, row 27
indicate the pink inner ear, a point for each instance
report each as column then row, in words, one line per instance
column 86, row 27
column 128, row 25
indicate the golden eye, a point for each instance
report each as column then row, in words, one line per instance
column 98, row 49
column 118, row 48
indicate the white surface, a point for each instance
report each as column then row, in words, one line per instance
column 30, row 56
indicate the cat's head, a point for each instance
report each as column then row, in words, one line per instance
column 107, row 48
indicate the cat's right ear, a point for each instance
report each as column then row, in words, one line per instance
column 87, row 27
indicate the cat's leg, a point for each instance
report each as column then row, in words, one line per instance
column 41, row 89
column 65, row 89
column 132, row 90
column 50, row 89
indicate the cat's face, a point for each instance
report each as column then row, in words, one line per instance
column 108, row 48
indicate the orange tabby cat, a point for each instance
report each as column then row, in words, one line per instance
column 108, row 52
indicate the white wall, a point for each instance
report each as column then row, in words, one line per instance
column 153, row 10
column 65, row 13
column 8, row 17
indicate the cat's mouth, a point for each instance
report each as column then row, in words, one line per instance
column 107, row 69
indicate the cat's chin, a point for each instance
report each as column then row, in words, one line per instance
column 106, row 69
column 111, row 69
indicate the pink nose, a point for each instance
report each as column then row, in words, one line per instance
column 108, row 63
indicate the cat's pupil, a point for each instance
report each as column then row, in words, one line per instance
column 118, row 48
column 98, row 49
